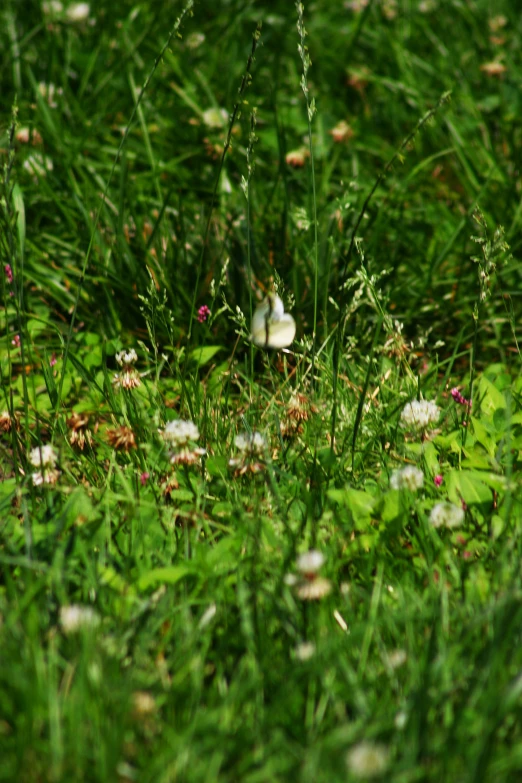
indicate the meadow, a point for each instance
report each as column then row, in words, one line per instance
column 260, row 492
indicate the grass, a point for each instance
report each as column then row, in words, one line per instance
column 145, row 176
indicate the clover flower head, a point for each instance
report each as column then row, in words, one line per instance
column 43, row 456
column 75, row 618
column 250, row 442
column 310, row 562
column 180, row 432
column 410, row 478
column 446, row 514
column 420, row 414
column 368, row 760
column 78, row 12
column 125, row 358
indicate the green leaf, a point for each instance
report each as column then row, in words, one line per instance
column 491, row 399
column 467, row 485
column 359, row 504
column 167, row 575
column 204, row 354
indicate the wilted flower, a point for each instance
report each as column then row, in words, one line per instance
column 78, row 12
column 80, row 434
column 6, row 421
column 493, row 68
column 121, row 438
column 313, row 589
column 341, row 132
column 420, row 414
column 446, row 514
column 297, row 158
column 76, row 618
column 410, row 478
column 368, row 760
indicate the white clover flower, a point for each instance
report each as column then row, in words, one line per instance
column 75, row 618
column 43, row 456
column 49, row 93
column 180, row 432
column 310, row 562
column 446, row 514
column 52, row 7
column 48, row 476
column 313, row 589
column 420, row 414
column 304, row 651
column 368, row 760
column 251, row 442
column 126, row 357
column 409, row 477
column 78, row 12
column 215, row 118
column 396, row 658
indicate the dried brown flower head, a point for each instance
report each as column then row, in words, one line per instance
column 122, row 438
column 80, row 434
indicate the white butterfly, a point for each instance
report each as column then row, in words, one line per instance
column 271, row 326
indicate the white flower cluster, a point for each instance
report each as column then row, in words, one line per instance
column 410, row 478
column 310, row 586
column 446, row 514
column 75, row 618
column 45, row 458
column 124, row 358
column 250, row 442
column 420, row 414
column 368, row 760
column 179, row 435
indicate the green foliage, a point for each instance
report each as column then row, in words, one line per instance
column 157, row 622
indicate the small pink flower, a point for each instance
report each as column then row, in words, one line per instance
column 16, row 341
column 459, row 399
column 52, row 360
column 144, row 478
column 203, row 314
column 8, row 273
column 438, row 480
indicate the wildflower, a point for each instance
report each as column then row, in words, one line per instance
column 311, row 586
column 180, row 435
column 8, row 273
column 389, row 9
column 80, row 434
column 496, row 23
column 38, row 165
column 52, row 360
column 438, row 479
column 78, row 12
column 16, row 341
column 180, row 432
column 459, row 399
column 297, row 158
column 52, row 7
column 250, row 442
column 129, row 378
column 368, row 760
column 313, row 589
column 304, row 651
column 420, row 414
column 122, row 438
column 493, row 68
column 341, row 132
column 144, row 477
column 215, row 118
column 76, row 618
column 410, row 478
column 309, row 563
column 203, row 314
column 356, row 5
column 396, row 658
column 446, row 514
column 144, row 704
column 43, row 456
column 194, row 40
column 6, row 421
column 358, row 79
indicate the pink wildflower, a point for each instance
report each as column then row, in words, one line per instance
column 144, row 478
column 8, row 273
column 203, row 314
column 16, row 341
column 52, row 360
column 437, row 480
column 459, row 399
